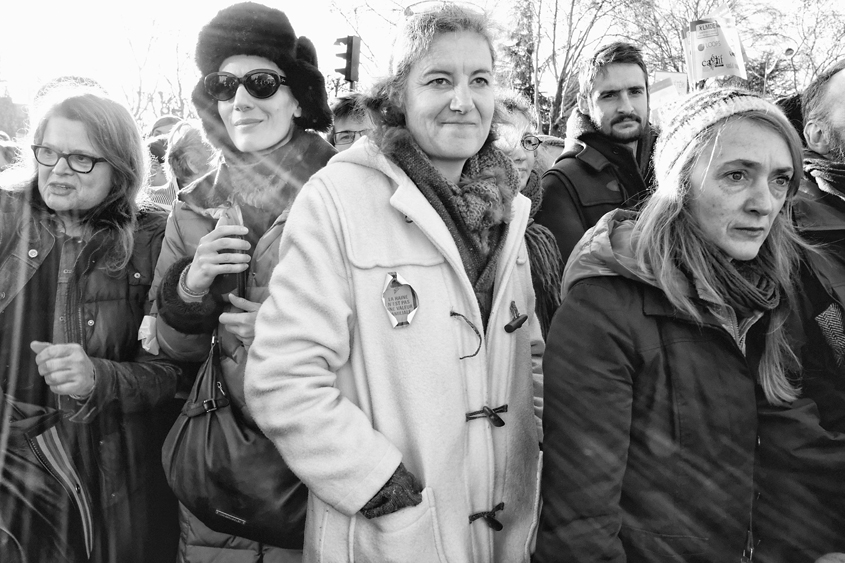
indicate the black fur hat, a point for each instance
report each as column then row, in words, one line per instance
column 254, row 29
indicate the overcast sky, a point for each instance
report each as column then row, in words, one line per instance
column 107, row 39
column 43, row 39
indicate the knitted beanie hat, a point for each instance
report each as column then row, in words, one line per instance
column 253, row 29
column 692, row 115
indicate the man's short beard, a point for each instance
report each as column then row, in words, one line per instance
column 620, row 138
column 627, row 138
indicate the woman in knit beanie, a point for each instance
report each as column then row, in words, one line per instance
column 672, row 324
column 260, row 99
column 396, row 362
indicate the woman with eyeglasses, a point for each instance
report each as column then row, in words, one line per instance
column 80, row 399
column 516, row 139
column 396, row 361
column 260, row 99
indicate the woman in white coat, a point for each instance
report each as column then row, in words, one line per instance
column 396, row 360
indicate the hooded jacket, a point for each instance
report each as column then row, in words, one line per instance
column 592, row 176
column 346, row 396
column 650, row 418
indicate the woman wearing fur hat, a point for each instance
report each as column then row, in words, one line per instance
column 260, row 95
column 396, row 361
column 672, row 323
column 80, row 400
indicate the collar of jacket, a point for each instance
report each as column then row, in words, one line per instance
column 815, row 210
column 31, row 244
column 576, row 148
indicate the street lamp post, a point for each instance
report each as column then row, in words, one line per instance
column 767, row 70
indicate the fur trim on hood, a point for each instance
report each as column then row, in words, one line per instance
column 577, row 124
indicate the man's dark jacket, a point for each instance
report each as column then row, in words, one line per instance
column 592, row 176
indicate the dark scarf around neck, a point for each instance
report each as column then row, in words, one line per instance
column 747, row 286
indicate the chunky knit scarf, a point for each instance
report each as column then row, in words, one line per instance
column 476, row 210
column 828, row 174
column 544, row 256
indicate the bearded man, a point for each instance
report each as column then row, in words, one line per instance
column 606, row 161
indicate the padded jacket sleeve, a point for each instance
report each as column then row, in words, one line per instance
column 183, row 330
column 140, row 385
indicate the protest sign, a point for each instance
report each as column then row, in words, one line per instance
column 679, row 80
column 660, row 95
column 713, row 48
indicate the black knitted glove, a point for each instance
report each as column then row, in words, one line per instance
column 401, row 491
column 198, row 317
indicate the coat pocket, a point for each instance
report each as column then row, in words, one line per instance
column 409, row 535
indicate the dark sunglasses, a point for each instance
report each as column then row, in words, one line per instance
column 260, row 84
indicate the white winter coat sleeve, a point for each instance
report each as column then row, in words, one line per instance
column 303, row 339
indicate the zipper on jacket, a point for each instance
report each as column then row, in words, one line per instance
column 81, row 502
column 748, row 550
column 36, row 449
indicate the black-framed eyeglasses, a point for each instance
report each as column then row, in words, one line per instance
column 349, row 137
column 77, row 162
column 530, row 142
column 260, row 83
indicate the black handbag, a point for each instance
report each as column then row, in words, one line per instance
column 228, row 474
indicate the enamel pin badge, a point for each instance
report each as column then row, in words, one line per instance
column 400, row 300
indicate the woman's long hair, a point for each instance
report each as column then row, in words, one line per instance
column 114, row 133
column 668, row 243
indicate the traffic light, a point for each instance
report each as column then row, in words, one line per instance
column 350, row 57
